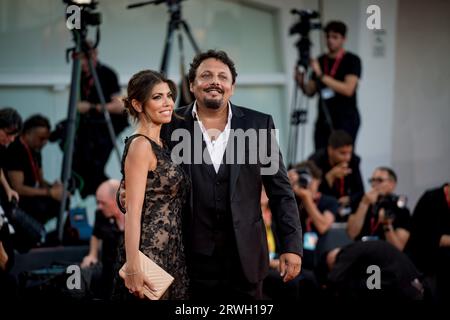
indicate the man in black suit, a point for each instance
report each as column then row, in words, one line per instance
column 224, row 232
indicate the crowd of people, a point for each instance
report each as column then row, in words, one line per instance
column 221, row 226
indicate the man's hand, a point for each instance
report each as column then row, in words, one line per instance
column 303, row 193
column 3, row 257
column 299, row 76
column 344, row 201
column 444, row 241
column 83, row 106
column 338, row 171
column 384, row 219
column 315, row 66
column 12, row 194
column 293, row 177
column 88, row 261
column 290, row 266
column 341, row 170
column 56, row 191
column 370, row 197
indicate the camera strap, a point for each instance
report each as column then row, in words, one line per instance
column 336, row 63
column 34, row 165
column 374, row 226
column 339, row 186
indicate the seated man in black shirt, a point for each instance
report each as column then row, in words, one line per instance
column 348, row 277
column 429, row 243
column 10, row 127
column 336, row 76
column 379, row 216
column 342, row 177
column 107, row 234
column 317, row 211
column 23, row 163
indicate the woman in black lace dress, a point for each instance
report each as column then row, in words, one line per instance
column 155, row 190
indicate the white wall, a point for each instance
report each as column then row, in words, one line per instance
column 421, row 130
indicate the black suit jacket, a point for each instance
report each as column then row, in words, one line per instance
column 245, row 191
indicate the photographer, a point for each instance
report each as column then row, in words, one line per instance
column 380, row 214
column 429, row 243
column 342, row 177
column 23, row 164
column 93, row 145
column 10, row 127
column 106, row 236
column 336, row 75
column 317, row 211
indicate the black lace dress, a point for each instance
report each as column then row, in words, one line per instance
column 161, row 226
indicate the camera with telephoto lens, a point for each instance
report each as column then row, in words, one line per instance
column 390, row 203
column 303, row 27
column 88, row 16
column 304, row 177
column 305, row 24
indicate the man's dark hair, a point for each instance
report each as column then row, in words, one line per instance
column 10, row 119
column 339, row 138
column 315, row 171
column 336, row 26
column 35, row 121
column 391, row 173
column 215, row 54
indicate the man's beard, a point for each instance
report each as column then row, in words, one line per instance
column 213, row 103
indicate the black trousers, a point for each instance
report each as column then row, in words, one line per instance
column 40, row 208
column 322, row 130
column 219, row 278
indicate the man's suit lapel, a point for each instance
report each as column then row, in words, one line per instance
column 189, row 125
column 237, row 122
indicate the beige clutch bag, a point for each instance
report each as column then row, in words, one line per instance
column 160, row 279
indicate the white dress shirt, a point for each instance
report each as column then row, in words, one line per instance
column 216, row 148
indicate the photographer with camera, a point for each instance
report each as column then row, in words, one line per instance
column 429, row 243
column 10, row 127
column 335, row 76
column 317, row 211
column 381, row 214
column 93, row 143
column 341, row 174
column 38, row 197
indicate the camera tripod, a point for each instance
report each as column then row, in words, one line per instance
column 81, row 47
column 176, row 21
column 299, row 114
column 299, row 117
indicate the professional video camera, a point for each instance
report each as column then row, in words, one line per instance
column 304, row 177
column 88, row 16
column 303, row 27
column 390, row 203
